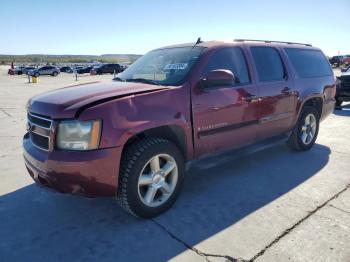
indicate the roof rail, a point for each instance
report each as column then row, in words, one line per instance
column 269, row 41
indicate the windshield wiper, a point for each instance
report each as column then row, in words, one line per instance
column 143, row 80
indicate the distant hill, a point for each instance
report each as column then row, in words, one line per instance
column 40, row 58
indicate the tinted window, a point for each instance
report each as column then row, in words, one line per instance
column 231, row 59
column 268, row 64
column 309, row 63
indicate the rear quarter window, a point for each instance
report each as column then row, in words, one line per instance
column 309, row 63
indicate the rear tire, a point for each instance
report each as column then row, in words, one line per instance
column 305, row 132
column 146, row 188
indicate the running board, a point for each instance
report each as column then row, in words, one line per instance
column 212, row 160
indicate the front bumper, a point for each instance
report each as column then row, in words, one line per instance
column 90, row 173
column 342, row 95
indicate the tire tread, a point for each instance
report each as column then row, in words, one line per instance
column 294, row 140
column 130, row 156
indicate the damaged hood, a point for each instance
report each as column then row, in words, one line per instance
column 66, row 102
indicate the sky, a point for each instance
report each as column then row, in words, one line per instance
column 94, row 27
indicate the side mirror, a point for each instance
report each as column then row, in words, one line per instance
column 219, row 77
column 343, row 69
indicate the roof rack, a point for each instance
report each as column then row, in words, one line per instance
column 269, row 41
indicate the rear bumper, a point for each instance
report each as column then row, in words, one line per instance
column 328, row 107
column 90, row 173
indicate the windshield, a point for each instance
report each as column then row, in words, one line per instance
column 168, row 66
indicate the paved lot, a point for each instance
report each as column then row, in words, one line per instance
column 273, row 205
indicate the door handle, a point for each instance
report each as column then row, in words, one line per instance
column 251, row 99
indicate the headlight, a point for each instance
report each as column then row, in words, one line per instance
column 79, row 135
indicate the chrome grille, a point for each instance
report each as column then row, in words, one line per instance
column 345, row 82
column 39, row 130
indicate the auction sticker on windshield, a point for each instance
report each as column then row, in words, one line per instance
column 178, row 66
column 159, row 77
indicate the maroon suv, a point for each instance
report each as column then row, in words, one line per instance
column 131, row 138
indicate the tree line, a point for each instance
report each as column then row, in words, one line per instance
column 35, row 59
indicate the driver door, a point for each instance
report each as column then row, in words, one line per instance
column 225, row 117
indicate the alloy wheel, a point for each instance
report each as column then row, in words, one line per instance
column 157, row 180
column 308, row 129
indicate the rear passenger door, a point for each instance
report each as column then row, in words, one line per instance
column 43, row 70
column 104, row 69
column 275, row 89
column 49, row 70
column 110, row 68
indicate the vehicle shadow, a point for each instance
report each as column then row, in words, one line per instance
column 44, row 226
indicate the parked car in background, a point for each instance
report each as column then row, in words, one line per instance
column 45, row 70
column 346, row 60
column 76, row 68
column 130, row 139
column 16, row 71
column 66, row 69
column 337, row 60
column 343, row 87
column 27, row 69
column 84, row 70
column 106, row 69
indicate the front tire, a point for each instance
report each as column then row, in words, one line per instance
column 151, row 177
column 305, row 132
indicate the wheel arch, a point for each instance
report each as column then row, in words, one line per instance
column 173, row 133
column 315, row 101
